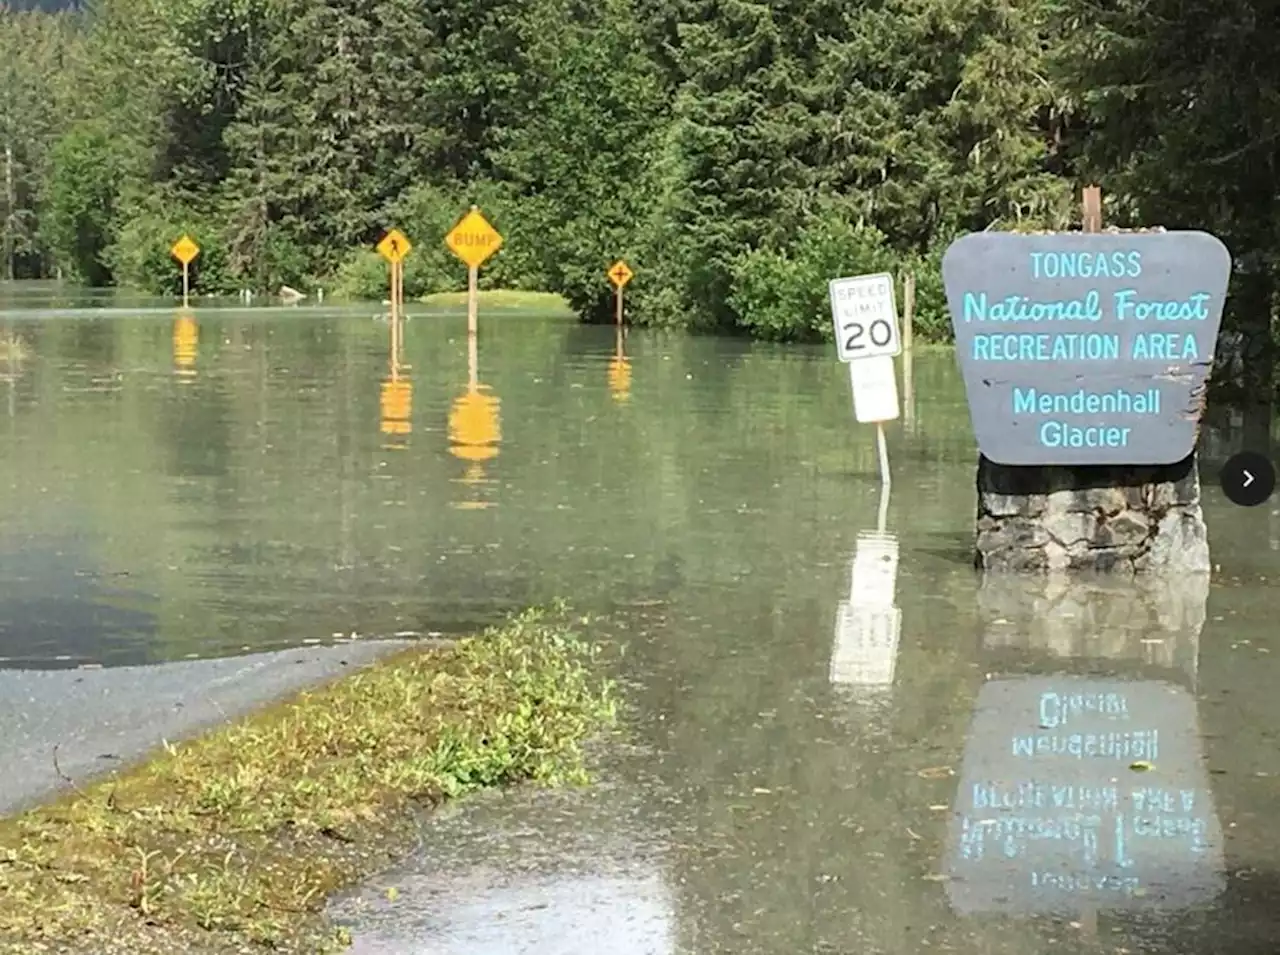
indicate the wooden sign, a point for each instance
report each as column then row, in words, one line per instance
column 1086, row 349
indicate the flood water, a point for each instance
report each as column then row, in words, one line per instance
column 837, row 738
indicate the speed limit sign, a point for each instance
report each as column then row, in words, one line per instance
column 865, row 317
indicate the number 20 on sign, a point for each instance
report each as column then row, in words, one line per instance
column 865, row 317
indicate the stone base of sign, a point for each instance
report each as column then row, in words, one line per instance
column 1098, row 518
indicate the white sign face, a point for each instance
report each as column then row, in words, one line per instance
column 866, row 645
column 875, row 389
column 865, row 317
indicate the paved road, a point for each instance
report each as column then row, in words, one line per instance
column 102, row 719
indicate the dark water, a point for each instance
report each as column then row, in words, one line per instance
column 838, row 740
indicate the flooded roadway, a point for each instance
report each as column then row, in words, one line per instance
column 839, row 740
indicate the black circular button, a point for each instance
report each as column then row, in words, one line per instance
column 1248, row 479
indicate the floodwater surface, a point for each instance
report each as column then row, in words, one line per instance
column 837, row 739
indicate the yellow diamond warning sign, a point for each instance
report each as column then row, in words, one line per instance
column 620, row 274
column 185, row 250
column 394, row 246
column 473, row 240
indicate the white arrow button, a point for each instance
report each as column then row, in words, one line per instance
column 1248, row 478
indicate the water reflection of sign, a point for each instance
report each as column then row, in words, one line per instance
column 1086, row 349
column 395, row 399
column 619, row 371
column 868, row 625
column 474, row 434
column 397, row 406
column 1054, row 812
column 186, row 342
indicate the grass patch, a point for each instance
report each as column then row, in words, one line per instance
column 502, row 298
column 232, row 842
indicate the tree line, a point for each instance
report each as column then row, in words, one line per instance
column 735, row 153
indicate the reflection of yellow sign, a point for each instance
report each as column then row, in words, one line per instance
column 185, row 250
column 620, row 377
column 397, row 406
column 394, row 246
column 474, row 431
column 186, row 340
column 620, row 274
column 473, row 240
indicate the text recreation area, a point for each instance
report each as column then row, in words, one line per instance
column 1086, row 349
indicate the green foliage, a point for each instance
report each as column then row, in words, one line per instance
column 782, row 294
column 704, row 141
column 140, row 257
column 932, row 321
column 80, row 212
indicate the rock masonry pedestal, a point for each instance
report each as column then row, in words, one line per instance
column 1099, row 518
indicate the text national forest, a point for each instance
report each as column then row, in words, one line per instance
column 736, row 154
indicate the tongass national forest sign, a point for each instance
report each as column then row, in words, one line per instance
column 1086, row 348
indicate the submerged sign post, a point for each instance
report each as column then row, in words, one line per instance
column 619, row 274
column 866, row 328
column 393, row 247
column 185, row 251
column 473, row 240
column 1086, row 349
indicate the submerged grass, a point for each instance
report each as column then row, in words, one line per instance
column 502, row 298
column 232, row 841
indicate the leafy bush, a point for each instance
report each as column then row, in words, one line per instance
column 80, row 205
column 425, row 214
column 140, row 257
column 781, row 294
column 932, row 321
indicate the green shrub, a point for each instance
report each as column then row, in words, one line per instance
column 140, row 257
column 781, row 294
column 80, row 203
column 425, row 214
column 932, row 321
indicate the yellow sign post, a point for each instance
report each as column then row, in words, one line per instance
column 185, row 250
column 619, row 274
column 393, row 247
column 473, row 240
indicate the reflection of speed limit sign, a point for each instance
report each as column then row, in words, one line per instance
column 865, row 318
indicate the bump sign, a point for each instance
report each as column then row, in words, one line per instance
column 1081, row 349
column 866, row 320
column 473, row 239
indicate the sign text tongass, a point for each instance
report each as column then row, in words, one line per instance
column 1086, row 349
